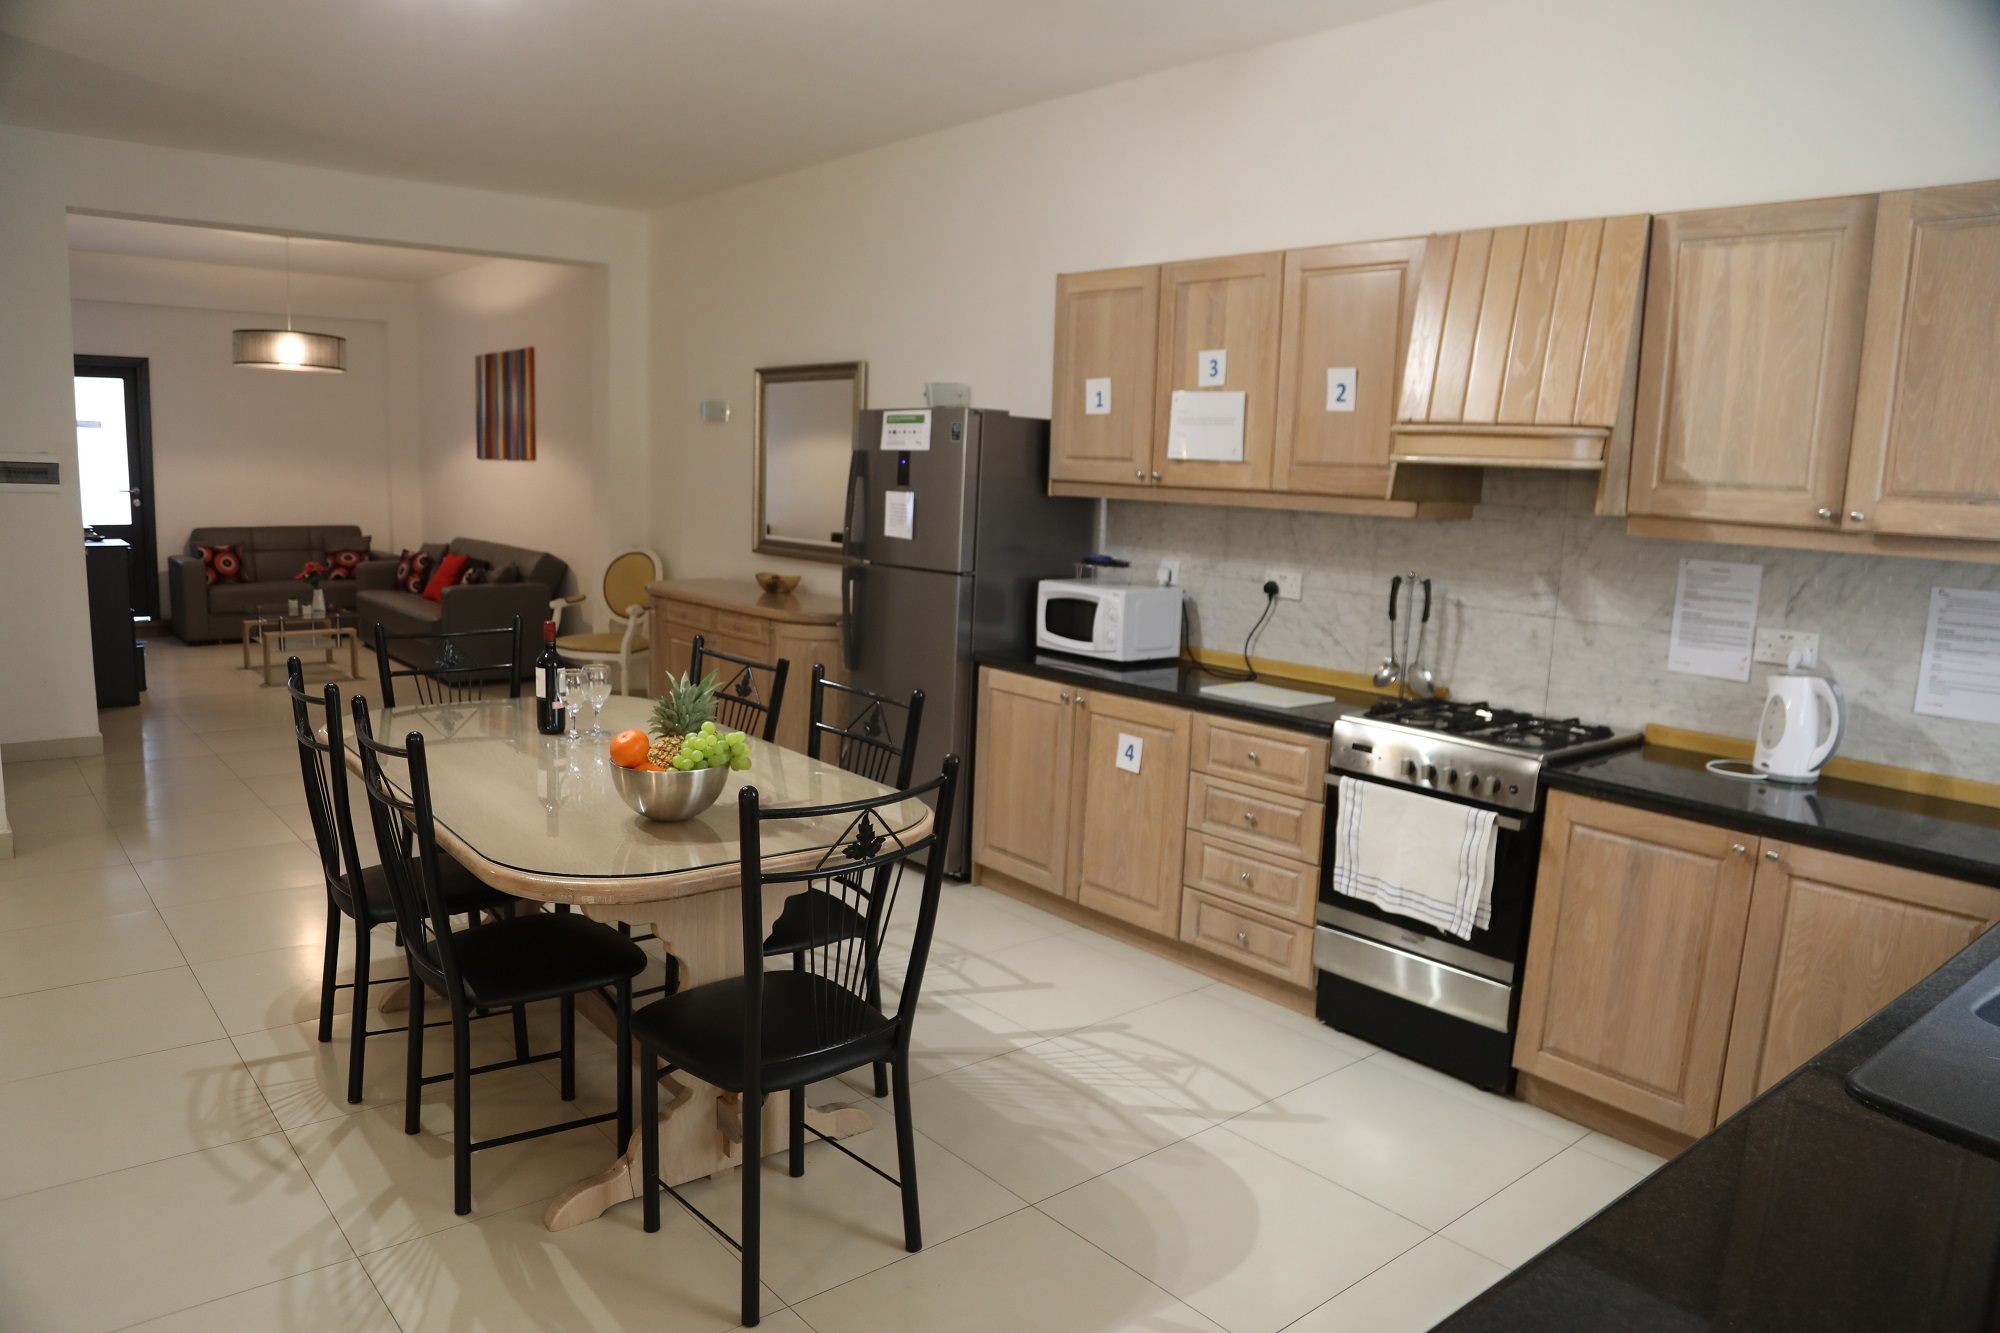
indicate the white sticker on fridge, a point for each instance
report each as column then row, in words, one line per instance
column 899, row 514
column 1340, row 388
column 907, row 432
column 1097, row 397
column 1211, row 368
column 1131, row 749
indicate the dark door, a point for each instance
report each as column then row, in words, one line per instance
column 114, row 448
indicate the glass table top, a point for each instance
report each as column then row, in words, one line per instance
column 546, row 806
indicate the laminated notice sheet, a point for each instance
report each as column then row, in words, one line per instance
column 1960, row 675
column 1715, row 619
column 1206, row 425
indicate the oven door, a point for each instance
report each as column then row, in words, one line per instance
column 1070, row 620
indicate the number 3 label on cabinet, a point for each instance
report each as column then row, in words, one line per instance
column 1130, row 749
column 1211, row 368
column 1340, row 388
column 1097, row 397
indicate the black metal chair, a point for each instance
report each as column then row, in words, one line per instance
column 876, row 745
column 765, row 1032
column 462, row 664
column 517, row 961
column 740, row 701
column 356, row 892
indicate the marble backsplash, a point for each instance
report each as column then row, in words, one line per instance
column 1540, row 604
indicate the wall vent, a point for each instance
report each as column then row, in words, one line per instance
column 33, row 472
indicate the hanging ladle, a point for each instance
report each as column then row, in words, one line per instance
column 1391, row 670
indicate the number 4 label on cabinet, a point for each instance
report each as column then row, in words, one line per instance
column 1340, row 388
column 1130, row 750
column 1097, row 397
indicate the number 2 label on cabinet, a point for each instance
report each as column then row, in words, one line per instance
column 1211, row 368
column 1340, row 388
column 1130, row 750
column 1097, row 397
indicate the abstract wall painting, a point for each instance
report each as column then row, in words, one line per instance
column 507, row 404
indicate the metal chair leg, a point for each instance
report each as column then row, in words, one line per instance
column 649, row 1139
column 624, row 1065
column 798, row 1130
column 753, row 1157
column 568, row 1047
column 461, row 1109
column 329, row 976
column 413, row 1077
column 357, row 1019
column 520, row 1032
column 875, row 999
column 906, row 1155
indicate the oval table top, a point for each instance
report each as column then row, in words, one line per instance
column 538, row 816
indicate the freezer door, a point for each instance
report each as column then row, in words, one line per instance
column 923, row 496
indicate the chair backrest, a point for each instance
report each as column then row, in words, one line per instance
column 625, row 580
column 451, row 676
column 858, row 874
column 880, row 739
column 323, row 765
column 406, row 837
column 741, row 702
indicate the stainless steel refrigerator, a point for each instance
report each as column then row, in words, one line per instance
column 951, row 526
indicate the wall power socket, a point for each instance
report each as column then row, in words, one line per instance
column 1774, row 646
column 1288, row 581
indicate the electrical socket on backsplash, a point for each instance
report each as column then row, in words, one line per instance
column 1288, row 581
column 1774, row 646
column 1169, row 573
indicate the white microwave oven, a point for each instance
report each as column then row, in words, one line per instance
column 1112, row 621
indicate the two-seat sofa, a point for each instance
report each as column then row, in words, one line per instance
column 206, row 613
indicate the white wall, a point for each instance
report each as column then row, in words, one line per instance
column 45, row 681
column 558, row 501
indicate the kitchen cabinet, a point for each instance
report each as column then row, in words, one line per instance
column 1752, row 352
column 1107, row 340
column 1346, row 309
column 1228, row 306
column 1020, row 813
column 1129, row 791
column 1925, row 460
column 736, row 616
column 1632, row 959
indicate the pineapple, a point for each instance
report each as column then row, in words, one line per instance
column 682, row 709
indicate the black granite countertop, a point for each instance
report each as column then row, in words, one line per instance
column 1923, row 832
column 1181, row 682
column 1805, row 1210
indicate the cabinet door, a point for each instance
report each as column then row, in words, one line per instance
column 1926, row 458
column 1021, row 796
column 1748, row 368
column 1128, row 832
column 1347, row 308
column 803, row 646
column 1832, row 939
column 1107, row 343
column 1632, row 959
column 1228, row 306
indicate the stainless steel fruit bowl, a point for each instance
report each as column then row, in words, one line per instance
column 669, row 795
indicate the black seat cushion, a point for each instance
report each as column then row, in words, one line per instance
column 813, row 1029
column 543, row 955
column 813, row 920
column 463, row 892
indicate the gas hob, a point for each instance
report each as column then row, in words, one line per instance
column 1492, row 756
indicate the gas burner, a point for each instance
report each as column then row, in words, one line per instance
column 1452, row 717
column 1547, row 734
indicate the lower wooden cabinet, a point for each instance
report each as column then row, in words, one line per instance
column 1130, row 761
column 1676, row 969
column 1246, row 938
column 738, row 617
column 1021, row 806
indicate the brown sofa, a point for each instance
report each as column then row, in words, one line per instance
column 205, row 613
column 467, row 606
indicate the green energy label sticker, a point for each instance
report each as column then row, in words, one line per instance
column 906, row 432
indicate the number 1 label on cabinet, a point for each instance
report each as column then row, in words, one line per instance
column 1097, row 397
column 1130, row 750
column 1211, row 368
column 1340, row 388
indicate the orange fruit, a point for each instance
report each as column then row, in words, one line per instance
column 629, row 749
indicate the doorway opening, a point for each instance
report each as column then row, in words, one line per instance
column 114, row 450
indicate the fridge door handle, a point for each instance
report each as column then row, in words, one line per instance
column 854, row 523
column 850, row 623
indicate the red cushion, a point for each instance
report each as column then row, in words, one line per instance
column 223, row 564
column 342, row 561
column 450, row 570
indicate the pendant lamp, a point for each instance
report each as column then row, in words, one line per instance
column 286, row 348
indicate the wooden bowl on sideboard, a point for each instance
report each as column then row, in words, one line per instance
column 777, row 583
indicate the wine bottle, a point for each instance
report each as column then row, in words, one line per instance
column 549, row 719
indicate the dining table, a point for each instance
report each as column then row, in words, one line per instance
column 538, row 816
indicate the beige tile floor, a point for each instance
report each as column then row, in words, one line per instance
column 1106, row 1140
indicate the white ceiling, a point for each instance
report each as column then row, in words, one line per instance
column 635, row 102
column 253, row 249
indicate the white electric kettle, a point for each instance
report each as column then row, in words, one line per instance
column 1803, row 716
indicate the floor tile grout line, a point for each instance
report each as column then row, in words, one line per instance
column 1178, row 1300
column 229, row 1295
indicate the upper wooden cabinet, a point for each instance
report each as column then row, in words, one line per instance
column 1926, row 453
column 1752, row 348
column 1228, row 306
column 1347, row 308
column 1106, row 349
column 1524, row 336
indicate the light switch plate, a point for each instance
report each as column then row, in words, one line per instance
column 1774, row 646
column 1288, row 581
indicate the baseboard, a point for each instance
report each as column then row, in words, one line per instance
column 59, row 747
column 6, row 843
column 1593, row 1114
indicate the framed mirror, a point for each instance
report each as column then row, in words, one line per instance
column 806, row 419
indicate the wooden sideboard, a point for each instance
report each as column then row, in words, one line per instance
column 736, row 616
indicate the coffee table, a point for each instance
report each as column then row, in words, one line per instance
column 305, row 632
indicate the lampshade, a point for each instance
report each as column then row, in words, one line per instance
column 284, row 349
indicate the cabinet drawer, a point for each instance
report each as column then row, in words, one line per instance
column 743, row 627
column 1262, row 820
column 1273, row 884
column 757, row 650
column 682, row 613
column 1267, row 757
column 1247, row 938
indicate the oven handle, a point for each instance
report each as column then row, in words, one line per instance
column 1505, row 823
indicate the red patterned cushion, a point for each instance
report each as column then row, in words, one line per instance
column 342, row 561
column 223, row 564
column 477, row 571
column 413, row 571
column 450, row 570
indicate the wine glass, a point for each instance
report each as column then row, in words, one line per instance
column 597, row 681
column 574, row 695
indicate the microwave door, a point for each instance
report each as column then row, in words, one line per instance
column 1070, row 622
column 925, row 493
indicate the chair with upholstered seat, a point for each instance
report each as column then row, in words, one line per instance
column 626, row 646
column 356, row 892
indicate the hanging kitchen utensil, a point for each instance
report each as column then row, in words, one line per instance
column 1391, row 670
column 1423, row 681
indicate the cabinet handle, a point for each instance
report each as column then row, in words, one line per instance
column 1065, row 696
column 1245, row 877
column 1857, row 516
column 1770, row 855
column 1826, row 514
column 1079, row 697
column 1250, row 818
column 1252, row 756
column 1140, row 474
column 1737, row 849
column 1156, row 476
column 1243, row 938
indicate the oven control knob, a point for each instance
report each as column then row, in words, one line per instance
column 1410, row 769
column 1431, row 774
column 1451, row 778
column 1493, row 785
column 1471, row 781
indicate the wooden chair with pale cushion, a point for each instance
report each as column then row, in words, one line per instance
column 626, row 646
